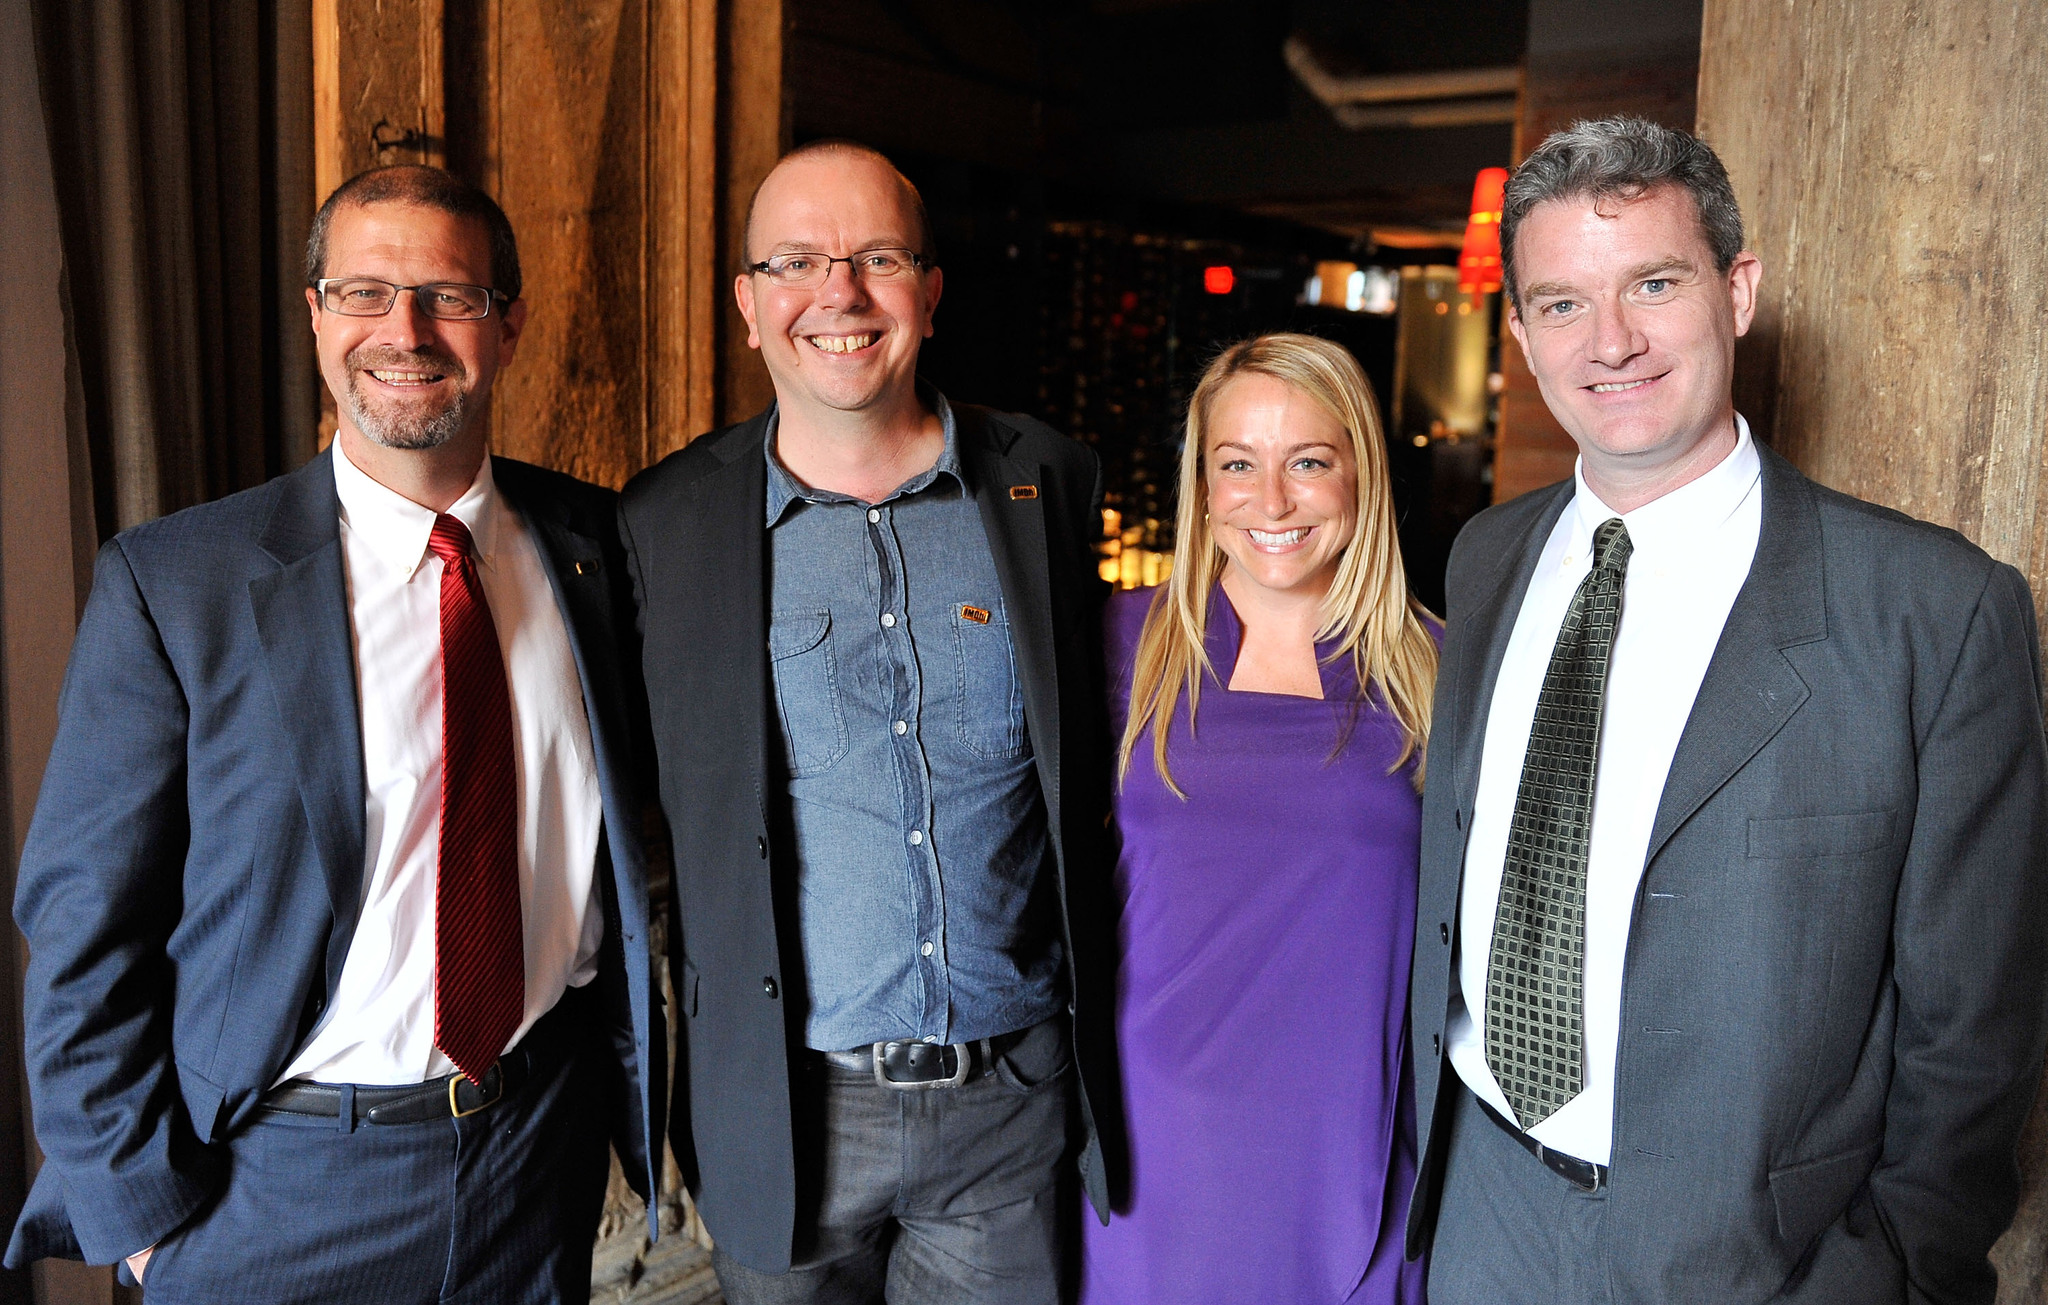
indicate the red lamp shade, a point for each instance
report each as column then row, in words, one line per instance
column 1222, row 280
column 1479, row 262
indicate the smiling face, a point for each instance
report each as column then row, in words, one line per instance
column 1630, row 331
column 849, row 344
column 406, row 380
column 1282, row 483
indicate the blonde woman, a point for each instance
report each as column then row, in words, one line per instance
column 1273, row 699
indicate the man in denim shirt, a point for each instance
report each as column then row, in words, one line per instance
column 870, row 622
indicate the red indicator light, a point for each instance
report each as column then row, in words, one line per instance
column 1219, row 280
column 1479, row 263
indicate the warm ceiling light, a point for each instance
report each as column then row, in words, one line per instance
column 1479, row 262
column 1219, row 280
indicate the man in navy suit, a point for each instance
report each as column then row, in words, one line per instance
column 339, row 981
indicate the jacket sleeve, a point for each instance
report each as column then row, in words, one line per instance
column 97, row 897
column 1971, row 970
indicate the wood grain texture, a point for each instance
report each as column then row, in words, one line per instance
column 594, row 124
column 754, row 129
column 562, row 144
column 1886, row 154
column 685, row 278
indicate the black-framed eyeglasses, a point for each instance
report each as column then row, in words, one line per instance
column 804, row 269
column 362, row 296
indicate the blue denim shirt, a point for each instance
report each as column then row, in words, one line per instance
column 925, row 900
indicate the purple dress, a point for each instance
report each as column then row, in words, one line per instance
column 1267, row 926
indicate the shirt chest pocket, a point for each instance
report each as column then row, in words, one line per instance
column 991, row 702
column 806, row 679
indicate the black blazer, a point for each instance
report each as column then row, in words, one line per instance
column 193, row 876
column 696, row 542
column 1833, row 1008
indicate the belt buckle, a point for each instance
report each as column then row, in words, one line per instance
column 493, row 1088
column 962, row 1063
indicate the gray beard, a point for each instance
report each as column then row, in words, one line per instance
column 407, row 429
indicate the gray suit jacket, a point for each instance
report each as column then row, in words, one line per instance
column 1833, row 1004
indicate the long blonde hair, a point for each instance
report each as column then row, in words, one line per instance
column 1368, row 610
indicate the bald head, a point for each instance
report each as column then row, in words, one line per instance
column 820, row 173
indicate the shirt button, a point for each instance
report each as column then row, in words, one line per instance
column 888, row 620
column 916, row 838
column 1443, row 931
column 925, row 950
column 901, row 727
column 874, row 514
column 768, row 986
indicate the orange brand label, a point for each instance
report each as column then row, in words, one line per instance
column 978, row 615
column 1023, row 491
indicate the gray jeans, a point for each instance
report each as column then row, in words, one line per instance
column 934, row 1197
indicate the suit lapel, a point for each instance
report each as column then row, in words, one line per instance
column 302, row 625
column 1480, row 653
column 723, row 583
column 1015, row 525
column 1751, row 688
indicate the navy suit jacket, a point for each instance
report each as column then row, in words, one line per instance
column 193, row 875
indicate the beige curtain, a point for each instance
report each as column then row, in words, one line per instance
column 180, row 136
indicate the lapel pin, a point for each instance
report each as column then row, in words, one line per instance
column 1023, row 491
column 586, row 566
column 978, row 615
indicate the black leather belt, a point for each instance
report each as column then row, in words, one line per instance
column 915, row 1066
column 450, row 1097
column 1583, row 1174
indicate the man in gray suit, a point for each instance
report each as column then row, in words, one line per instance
column 1729, row 969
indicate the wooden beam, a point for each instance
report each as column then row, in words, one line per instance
column 754, row 131
column 686, row 281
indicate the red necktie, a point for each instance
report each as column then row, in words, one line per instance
column 479, row 946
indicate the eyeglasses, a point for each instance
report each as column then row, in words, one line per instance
column 360, row 296
column 804, row 269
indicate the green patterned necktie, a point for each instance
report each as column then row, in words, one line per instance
column 1535, row 974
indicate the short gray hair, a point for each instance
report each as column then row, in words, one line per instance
column 1622, row 157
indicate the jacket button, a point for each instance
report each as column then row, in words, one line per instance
column 761, row 843
column 1443, row 932
column 768, row 986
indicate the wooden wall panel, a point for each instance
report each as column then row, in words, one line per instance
column 377, row 86
column 595, row 124
column 1887, row 154
column 562, row 138
column 755, row 131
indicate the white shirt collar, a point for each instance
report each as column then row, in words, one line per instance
column 1674, row 524
column 395, row 529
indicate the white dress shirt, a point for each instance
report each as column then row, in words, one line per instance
column 379, row 1028
column 1692, row 551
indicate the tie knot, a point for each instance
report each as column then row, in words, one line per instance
column 1611, row 546
column 449, row 540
